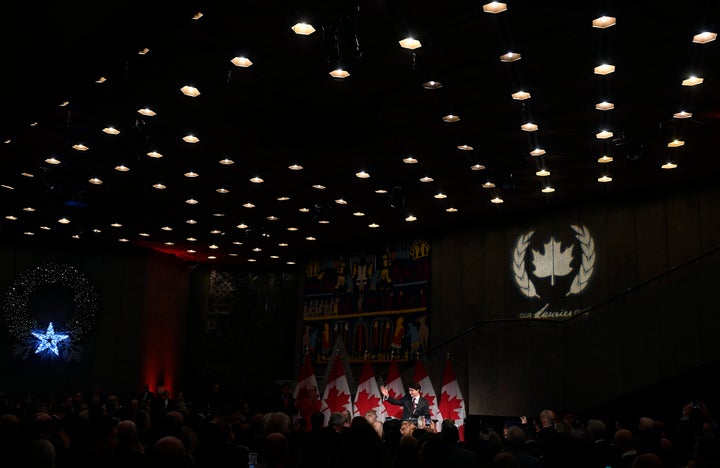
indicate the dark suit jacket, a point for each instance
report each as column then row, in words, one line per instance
column 423, row 407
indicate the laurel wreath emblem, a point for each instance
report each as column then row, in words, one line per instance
column 585, row 270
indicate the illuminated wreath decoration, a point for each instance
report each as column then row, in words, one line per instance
column 20, row 322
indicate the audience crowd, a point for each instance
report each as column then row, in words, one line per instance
column 101, row 430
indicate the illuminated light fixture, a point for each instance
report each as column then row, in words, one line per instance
column 27, row 174
column 11, row 218
column 283, row 244
column 529, row 127
column 64, row 103
column 256, row 180
column 604, row 69
column 143, row 51
column 143, row 234
column 440, row 196
column 292, row 228
column 29, row 233
column 191, row 221
column 273, row 256
column 537, row 152
column 426, row 179
column 488, row 185
column 213, row 246
column 197, row 15
column 190, row 139
column 116, row 225
column 339, row 73
column 272, row 218
column 97, row 231
column 222, row 190
column 547, row 189
column 295, row 167
column 451, row 118
column 497, row 200
column 380, row 191
column 257, row 249
column 249, row 205
column 218, row 215
column 213, row 257
column 410, row 43
column 682, row 115
column 111, row 131
column 603, row 22
column 494, row 7
column 101, row 80
column 604, row 106
column 242, row 226
column 237, row 243
column 340, row 201
column 605, row 159
column 410, row 160
column 52, row 161
column 7, row 187
column 362, row 175
column 704, row 37
column 303, row 29
column 304, row 210
column 432, row 85
column 147, row 112
column 64, row 221
column 465, row 147
column 477, row 167
column 373, row 225
column 191, row 91
column 80, row 147
column 358, row 213
column 159, row 186
column 166, row 228
column 669, row 165
column 605, row 179
column 675, row 144
column 510, row 57
column 191, row 201
column 123, row 239
column 29, row 209
column 692, row 81
column 191, row 174
column 290, row 262
column 191, row 251
column 323, row 221
column 542, row 173
column 155, row 154
column 605, row 134
column 311, row 238
column 169, row 243
column 226, row 162
column 242, row 62
column 451, row 210
column 410, row 219
column 95, row 181
column 520, row 95
column 318, row 187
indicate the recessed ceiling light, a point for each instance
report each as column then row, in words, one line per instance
column 380, row 191
column 272, row 218
column 191, row 174
column 440, row 195
column 451, row 118
column 605, row 159
column 510, row 57
column 494, row 7
column 304, row 210
column 243, row 62
column 64, row 103
column 704, row 37
column 111, row 131
column 410, row 160
column 242, row 226
column 410, row 219
column 29, row 233
column 303, row 29
column 159, row 186
column 95, row 181
column 283, row 244
column 222, row 190
column 116, row 225
column 410, row 43
column 692, row 81
column 311, row 238
column 547, row 189
column 274, row 257
column 339, row 73
column 122, row 168
column 497, row 200
column 143, row 234
column 323, row 221
column 318, row 187
column 451, row 210
column 290, row 262
column 426, row 179
column 190, row 139
column 27, row 174
column 340, row 201
column 64, row 221
column 80, row 147
column 143, row 51
column 257, row 249
column 603, row 135
column 191, row 251
column 604, row 106
column 358, row 213
column 432, row 85
column 191, row 221
column 256, row 180
column 675, row 144
column 682, row 115
column 537, row 152
column 123, row 239
column 465, row 147
column 213, row 246
column 197, row 15
column 52, row 161
column 191, row 201
column 520, row 95
column 166, row 228
column 29, row 209
column 295, row 167
column 147, row 112
column 603, row 22
column 11, row 218
column 155, row 154
column 362, row 175
column 605, row 179
column 542, row 173
column 373, row 225
column 283, row 198
column 669, row 165
column 226, row 162
column 477, row 167
column 488, row 185
column 213, row 257
column 292, row 228
column 97, row 231
column 249, row 205
column 604, row 69
column 529, row 127
column 190, row 91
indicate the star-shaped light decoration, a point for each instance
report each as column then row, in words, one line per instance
column 49, row 340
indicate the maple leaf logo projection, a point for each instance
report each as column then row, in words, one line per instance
column 552, row 261
column 365, row 402
column 336, row 400
column 450, row 406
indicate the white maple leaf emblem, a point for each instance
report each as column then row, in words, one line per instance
column 552, row 260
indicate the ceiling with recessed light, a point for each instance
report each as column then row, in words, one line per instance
column 267, row 131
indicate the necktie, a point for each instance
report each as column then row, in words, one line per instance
column 414, row 405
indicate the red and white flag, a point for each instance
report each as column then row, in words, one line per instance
column 336, row 396
column 427, row 391
column 396, row 389
column 306, row 395
column 367, row 396
column 452, row 404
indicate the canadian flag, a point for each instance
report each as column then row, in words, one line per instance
column 396, row 389
column 427, row 391
column 336, row 396
column 452, row 404
column 307, row 398
column 367, row 397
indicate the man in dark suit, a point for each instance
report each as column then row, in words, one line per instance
column 414, row 405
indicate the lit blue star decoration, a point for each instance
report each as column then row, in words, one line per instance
column 48, row 341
